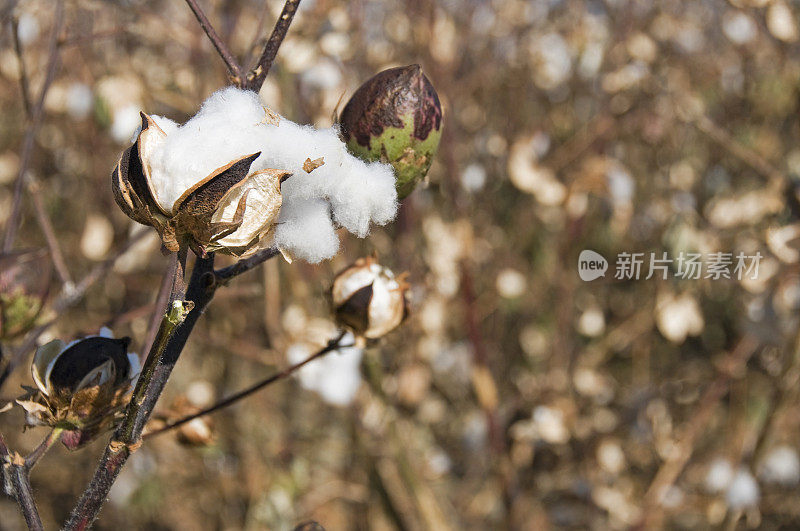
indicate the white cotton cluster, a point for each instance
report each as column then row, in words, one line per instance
column 781, row 466
column 233, row 123
column 743, row 491
column 336, row 376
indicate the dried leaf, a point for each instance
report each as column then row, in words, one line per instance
column 311, row 165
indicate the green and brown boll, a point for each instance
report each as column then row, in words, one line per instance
column 24, row 284
column 81, row 387
column 395, row 117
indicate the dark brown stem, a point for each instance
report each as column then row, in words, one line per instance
column 21, row 486
column 255, row 78
column 332, row 345
column 234, row 70
column 246, row 264
column 169, row 344
column 30, row 134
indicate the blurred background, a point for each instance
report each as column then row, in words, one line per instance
column 516, row 395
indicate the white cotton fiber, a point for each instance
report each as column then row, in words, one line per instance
column 306, row 231
column 232, row 124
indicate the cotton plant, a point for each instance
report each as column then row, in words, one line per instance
column 239, row 179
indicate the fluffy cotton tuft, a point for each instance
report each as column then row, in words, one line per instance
column 232, row 124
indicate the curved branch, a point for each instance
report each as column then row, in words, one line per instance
column 255, row 78
column 332, row 345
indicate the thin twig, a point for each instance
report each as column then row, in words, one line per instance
column 32, row 458
column 255, row 78
column 24, row 85
column 30, row 134
column 49, row 235
column 234, row 70
column 332, row 345
column 161, row 306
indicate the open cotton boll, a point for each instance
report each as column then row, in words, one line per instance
column 222, row 131
column 232, row 124
column 305, row 229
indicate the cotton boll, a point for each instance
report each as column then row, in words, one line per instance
column 336, row 377
column 719, row 475
column 743, row 491
column 79, row 101
column 781, row 466
column 223, row 131
column 305, row 230
column 126, row 120
column 27, row 28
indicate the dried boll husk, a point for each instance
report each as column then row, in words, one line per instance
column 81, row 387
column 232, row 210
column 24, row 284
column 395, row 117
column 368, row 299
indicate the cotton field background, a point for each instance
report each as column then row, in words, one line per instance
column 516, row 395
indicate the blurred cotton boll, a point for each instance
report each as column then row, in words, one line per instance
column 743, row 490
column 719, row 475
column 80, row 100
column 511, row 283
column 473, row 178
column 781, row 466
column 678, row 317
column 739, row 27
column 336, row 376
column 126, row 122
column 27, row 29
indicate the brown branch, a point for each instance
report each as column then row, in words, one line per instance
column 30, row 134
column 37, row 453
column 255, row 78
column 20, row 483
column 169, row 343
column 234, row 70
